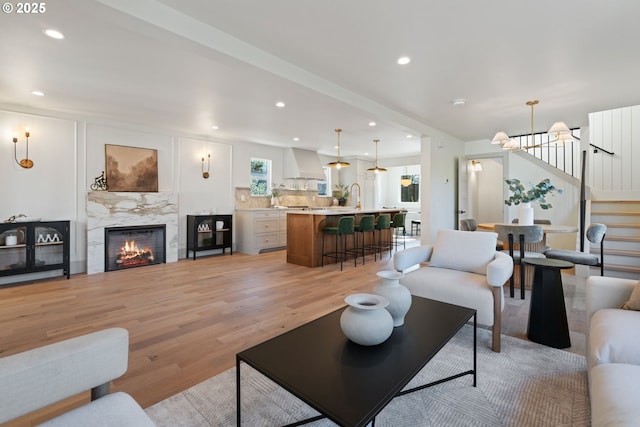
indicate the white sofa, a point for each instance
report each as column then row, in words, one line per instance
column 463, row 269
column 37, row 378
column 613, row 352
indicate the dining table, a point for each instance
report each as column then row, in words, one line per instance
column 531, row 247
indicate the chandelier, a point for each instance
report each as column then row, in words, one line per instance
column 559, row 132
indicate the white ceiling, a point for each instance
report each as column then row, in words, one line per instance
column 185, row 65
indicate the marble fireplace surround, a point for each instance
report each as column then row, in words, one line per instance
column 120, row 209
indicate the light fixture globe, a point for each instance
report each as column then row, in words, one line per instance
column 376, row 169
column 338, row 164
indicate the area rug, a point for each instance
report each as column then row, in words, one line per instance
column 526, row 384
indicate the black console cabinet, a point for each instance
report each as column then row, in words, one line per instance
column 207, row 232
column 30, row 247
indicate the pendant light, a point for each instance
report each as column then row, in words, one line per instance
column 405, row 180
column 376, row 169
column 338, row 164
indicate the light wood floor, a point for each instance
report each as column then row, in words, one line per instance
column 187, row 320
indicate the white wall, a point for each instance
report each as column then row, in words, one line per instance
column 617, row 131
column 68, row 155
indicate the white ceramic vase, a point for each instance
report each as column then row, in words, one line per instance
column 399, row 297
column 525, row 214
column 365, row 321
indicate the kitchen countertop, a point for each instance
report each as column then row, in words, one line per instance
column 305, row 231
column 340, row 211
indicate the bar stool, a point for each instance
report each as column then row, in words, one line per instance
column 344, row 228
column 415, row 223
column 397, row 224
column 384, row 223
column 366, row 225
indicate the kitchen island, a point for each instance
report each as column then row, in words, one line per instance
column 304, row 232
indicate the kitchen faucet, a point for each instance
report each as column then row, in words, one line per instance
column 357, row 198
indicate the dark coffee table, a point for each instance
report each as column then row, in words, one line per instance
column 348, row 383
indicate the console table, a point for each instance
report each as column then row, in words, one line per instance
column 31, row 247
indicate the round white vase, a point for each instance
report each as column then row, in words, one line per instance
column 399, row 297
column 525, row 214
column 365, row 321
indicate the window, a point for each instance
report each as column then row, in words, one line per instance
column 260, row 177
column 324, row 185
column 410, row 188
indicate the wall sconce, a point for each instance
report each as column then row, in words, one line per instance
column 26, row 162
column 476, row 166
column 205, row 174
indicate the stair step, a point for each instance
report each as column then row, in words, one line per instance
column 618, row 267
column 621, row 225
column 621, row 239
column 622, row 252
column 619, row 213
column 616, row 205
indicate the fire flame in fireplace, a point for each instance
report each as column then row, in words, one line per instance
column 131, row 255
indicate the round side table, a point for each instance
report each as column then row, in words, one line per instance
column 548, row 315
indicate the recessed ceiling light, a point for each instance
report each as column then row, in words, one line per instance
column 214, row 127
column 37, row 93
column 409, row 136
column 336, row 147
column 404, row 60
column 372, row 123
column 366, row 154
column 296, row 139
column 459, row 102
column 54, row 34
column 280, row 104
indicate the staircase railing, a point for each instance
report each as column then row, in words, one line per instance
column 564, row 156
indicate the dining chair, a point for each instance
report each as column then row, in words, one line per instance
column 468, row 224
column 595, row 234
column 471, row 224
column 520, row 235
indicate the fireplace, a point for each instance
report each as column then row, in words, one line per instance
column 134, row 246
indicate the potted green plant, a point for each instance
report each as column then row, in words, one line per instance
column 275, row 196
column 535, row 194
column 341, row 193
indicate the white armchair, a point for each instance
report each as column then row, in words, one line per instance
column 463, row 269
column 37, row 378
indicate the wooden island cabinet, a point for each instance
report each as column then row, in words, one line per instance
column 304, row 232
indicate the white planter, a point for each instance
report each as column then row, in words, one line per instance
column 365, row 321
column 399, row 297
column 525, row 214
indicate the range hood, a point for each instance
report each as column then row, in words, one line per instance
column 300, row 163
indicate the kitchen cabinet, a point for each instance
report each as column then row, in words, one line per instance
column 208, row 232
column 260, row 230
column 31, row 247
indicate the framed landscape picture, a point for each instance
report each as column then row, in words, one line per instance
column 131, row 168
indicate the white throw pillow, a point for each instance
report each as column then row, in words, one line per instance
column 464, row 250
